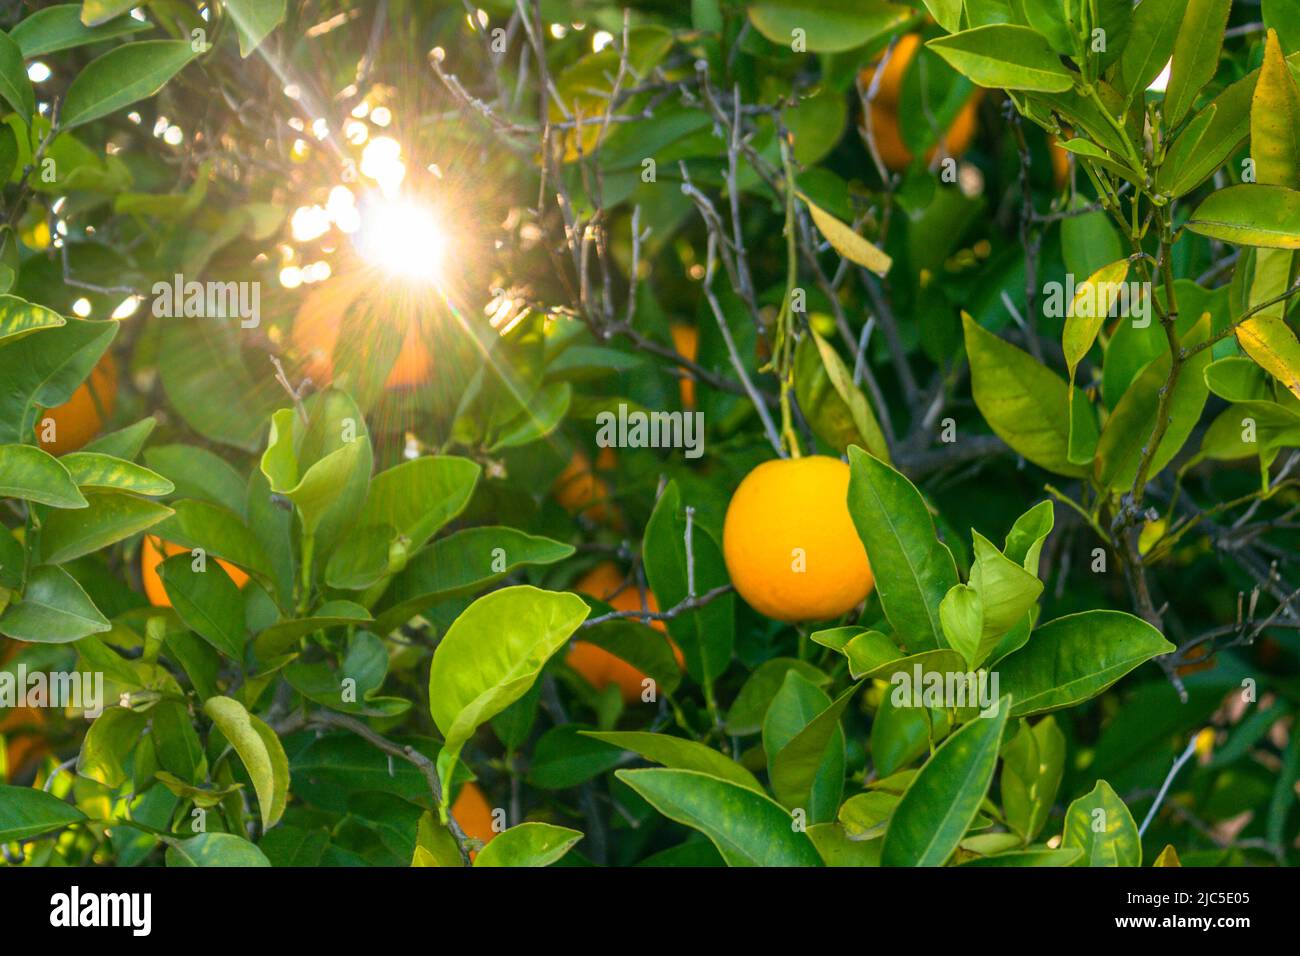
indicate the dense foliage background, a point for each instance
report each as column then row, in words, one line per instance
column 447, row 237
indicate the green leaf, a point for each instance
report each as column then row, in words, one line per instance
column 1032, row 765
column 1101, row 826
column 528, row 844
column 260, row 750
column 1025, row 403
column 53, row 610
column 95, row 470
column 1152, row 36
column 315, row 485
column 1036, row 857
column 678, row 753
column 1008, row 592
column 1251, row 214
column 563, row 758
column 1196, row 55
column 200, row 524
column 493, row 652
column 199, row 473
column 943, row 798
column 15, row 87
column 1004, row 56
column 254, row 19
column 214, row 849
column 748, row 828
column 107, row 519
column 962, row 615
column 751, row 704
column 27, row 472
column 706, row 634
column 107, row 745
column 463, row 563
column 813, row 754
column 60, row 28
column 1025, row 539
column 123, row 75
column 1074, row 658
column 865, row 816
column 280, row 637
column 27, row 813
column 418, row 497
column 18, row 317
column 95, row 12
column 207, row 601
column 913, row 569
column 828, row 26
column 845, row 397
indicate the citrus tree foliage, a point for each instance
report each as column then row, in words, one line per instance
column 313, row 484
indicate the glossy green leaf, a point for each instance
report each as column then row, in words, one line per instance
column 1152, row 36
column 107, row 519
column 26, row 812
column 1004, row 56
column 260, row 750
column 813, row 755
column 1032, row 765
column 53, row 610
column 1101, row 826
column 493, row 652
column 123, row 75
column 828, row 26
column 19, row 317
column 1251, row 214
column 27, row 472
column 15, row 87
column 418, row 497
column 748, row 828
column 944, row 797
column 108, row 743
column 913, row 569
column 56, row 28
column 214, row 849
column 1074, row 658
column 207, row 601
column 96, row 470
column 750, row 706
column 962, row 615
column 254, row 19
column 679, row 753
column 1195, row 56
column 43, row 369
column 1025, row 403
column 528, row 844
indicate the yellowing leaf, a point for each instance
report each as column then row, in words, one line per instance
column 847, row 242
column 1093, row 300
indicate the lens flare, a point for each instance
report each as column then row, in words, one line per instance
column 404, row 238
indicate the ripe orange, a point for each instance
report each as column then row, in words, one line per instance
column 80, row 418
column 356, row 300
column 1060, row 162
column 884, row 111
column 790, row 545
column 473, row 813
column 598, row 666
column 686, row 339
column 579, row 490
column 151, row 555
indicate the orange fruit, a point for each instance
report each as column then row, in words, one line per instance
column 473, row 813
column 152, row 554
column 1060, row 162
column 790, row 545
column 579, row 490
column 80, row 418
column 884, row 111
column 686, row 339
column 356, row 299
column 598, row 666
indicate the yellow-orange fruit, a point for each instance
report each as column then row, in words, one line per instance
column 319, row 324
column 81, row 417
column 790, row 545
column 1060, row 163
column 686, row 339
column 152, row 554
column 884, row 111
column 598, row 666
column 579, row 490
column 473, row 813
